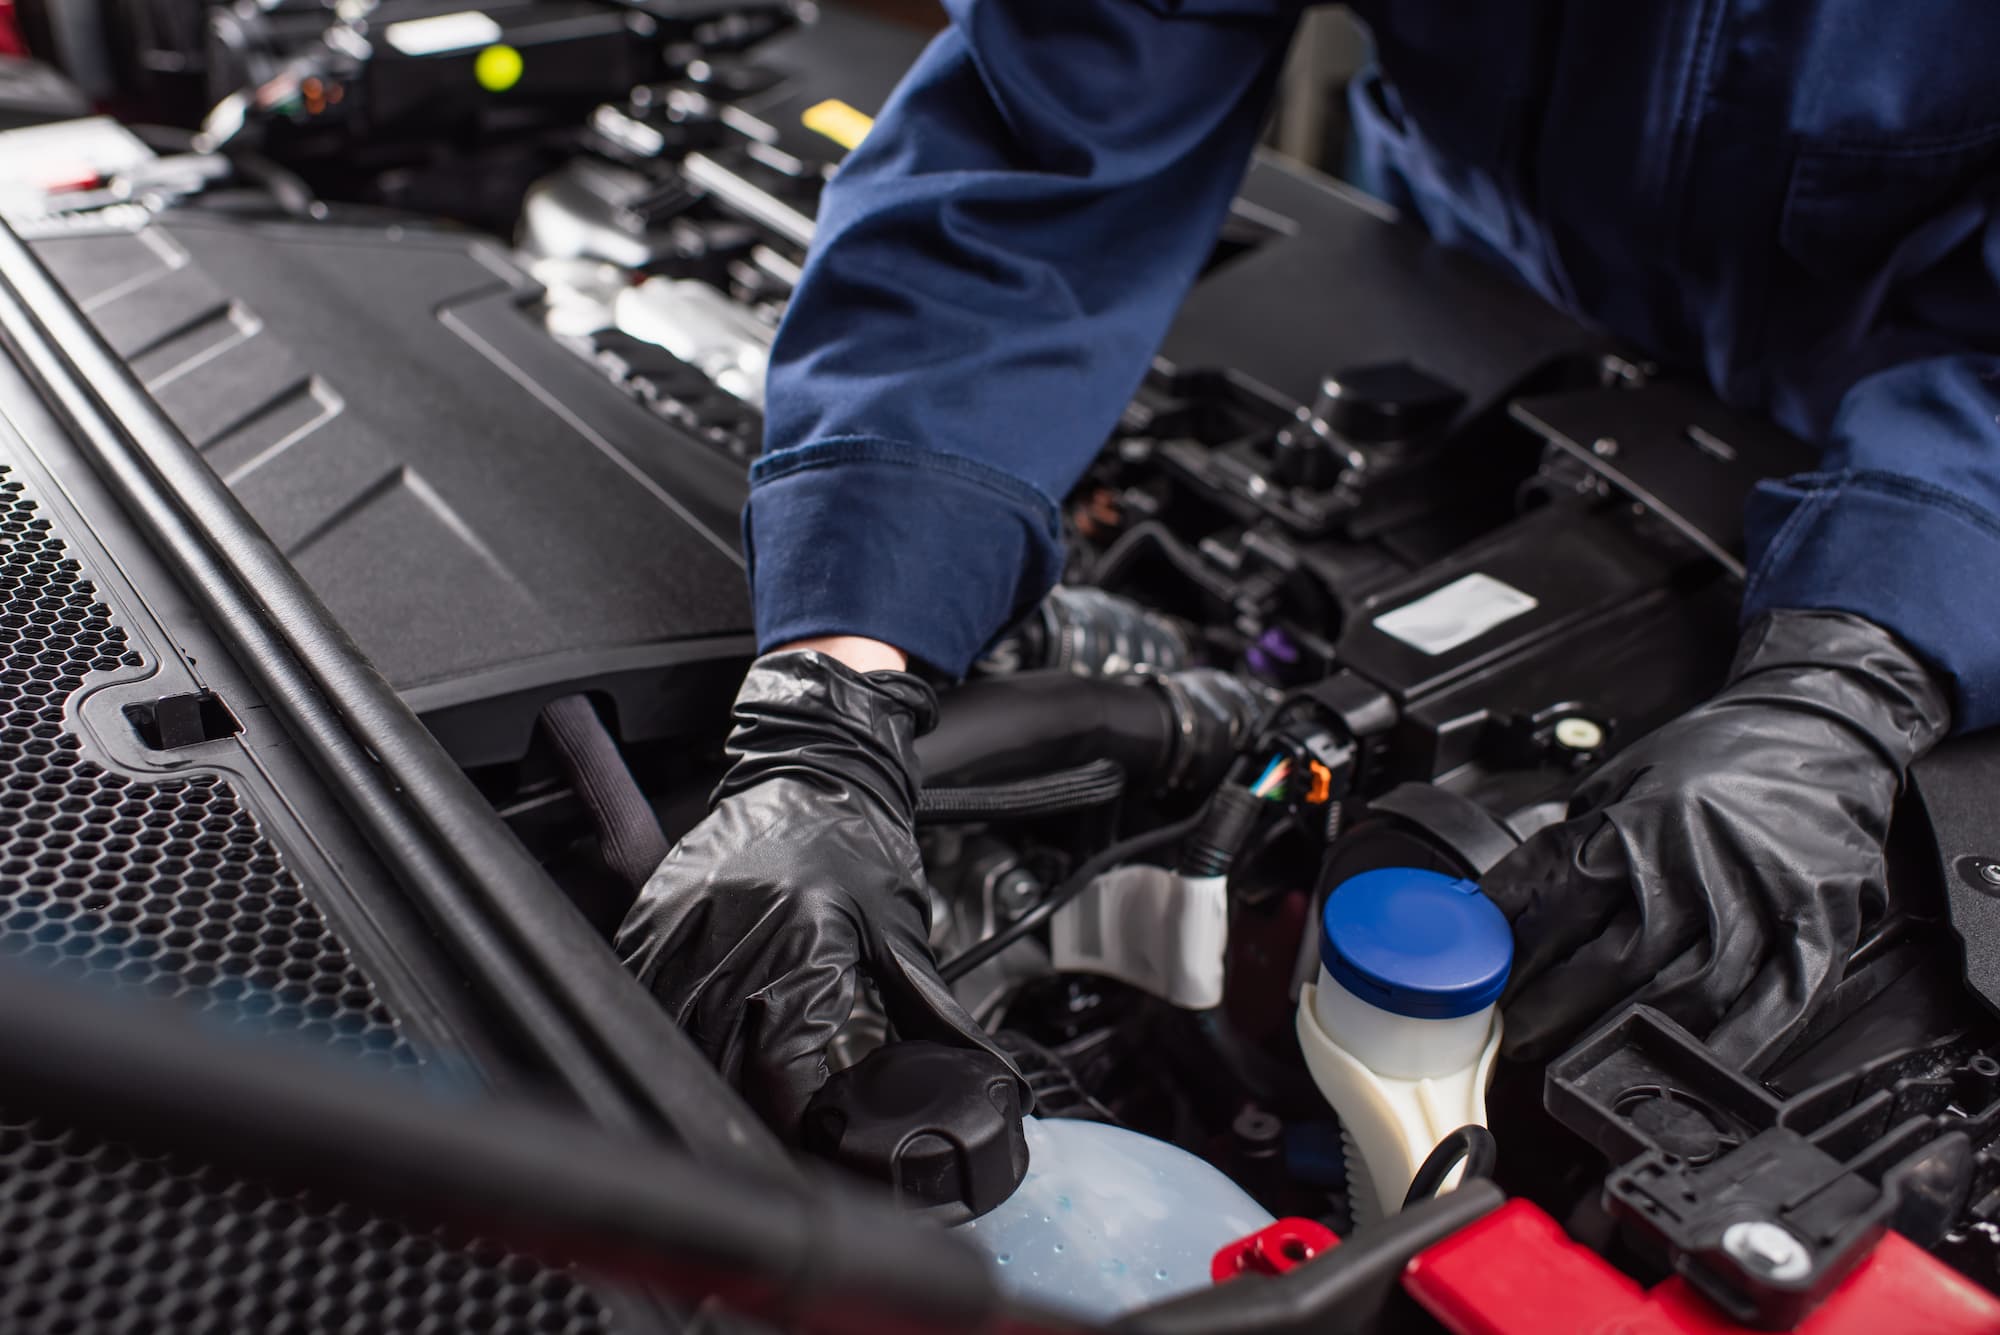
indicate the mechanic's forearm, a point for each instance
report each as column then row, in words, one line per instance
column 1903, row 525
column 995, row 266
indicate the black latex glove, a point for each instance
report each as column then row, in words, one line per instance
column 1722, row 868
column 751, row 931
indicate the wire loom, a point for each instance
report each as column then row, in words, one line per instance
column 1099, row 783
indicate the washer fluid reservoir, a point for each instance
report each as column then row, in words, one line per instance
column 1108, row 1221
column 1403, row 1026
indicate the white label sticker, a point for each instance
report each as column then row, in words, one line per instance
column 1459, row 613
column 446, row 32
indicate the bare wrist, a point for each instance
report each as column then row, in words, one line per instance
column 856, row 651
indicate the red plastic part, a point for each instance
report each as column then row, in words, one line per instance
column 1516, row 1272
column 1272, row 1251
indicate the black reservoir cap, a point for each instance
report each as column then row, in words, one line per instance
column 1378, row 405
column 941, row 1126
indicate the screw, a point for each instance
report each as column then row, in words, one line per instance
column 1604, row 447
column 1989, row 872
column 1579, row 734
column 1258, row 1134
column 1768, row 1249
column 1015, row 893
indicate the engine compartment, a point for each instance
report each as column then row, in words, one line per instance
column 1384, row 546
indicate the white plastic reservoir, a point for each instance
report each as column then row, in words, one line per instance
column 1108, row 1220
column 1402, row 1028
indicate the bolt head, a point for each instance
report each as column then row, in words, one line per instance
column 1604, row 447
column 1016, row 892
column 1579, row 734
column 1989, row 872
column 1768, row 1249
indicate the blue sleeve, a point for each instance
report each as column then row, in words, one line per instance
column 1903, row 524
column 994, row 268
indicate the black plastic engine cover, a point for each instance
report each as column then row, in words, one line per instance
column 492, row 520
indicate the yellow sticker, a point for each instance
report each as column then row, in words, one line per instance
column 497, row 68
column 839, row 122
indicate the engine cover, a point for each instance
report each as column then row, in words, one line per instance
column 493, row 521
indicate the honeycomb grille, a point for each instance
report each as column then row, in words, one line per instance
column 170, row 886
column 96, row 1238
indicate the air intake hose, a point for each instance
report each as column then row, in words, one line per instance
column 1172, row 732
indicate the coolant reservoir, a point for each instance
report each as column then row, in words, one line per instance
column 1403, row 1026
column 1108, row 1221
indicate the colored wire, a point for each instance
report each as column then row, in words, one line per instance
column 1272, row 779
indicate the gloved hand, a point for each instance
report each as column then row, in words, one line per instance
column 806, row 867
column 1722, row 868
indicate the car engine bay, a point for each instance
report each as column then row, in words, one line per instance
column 1383, row 559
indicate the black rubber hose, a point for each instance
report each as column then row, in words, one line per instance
column 287, row 189
column 1153, row 536
column 1097, row 784
column 1079, row 880
column 628, row 830
column 1474, row 1144
column 1267, row 1079
column 547, row 1182
column 1012, row 728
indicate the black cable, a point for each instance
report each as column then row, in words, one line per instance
column 287, row 189
column 1265, row 1078
column 972, row 957
column 1184, row 559
column 1474, row 1144
column 1099, row 783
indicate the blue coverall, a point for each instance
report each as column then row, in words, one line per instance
column 1798, row 196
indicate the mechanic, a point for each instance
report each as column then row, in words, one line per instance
column 1797, row 196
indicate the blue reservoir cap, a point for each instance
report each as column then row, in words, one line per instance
column 1416, row 943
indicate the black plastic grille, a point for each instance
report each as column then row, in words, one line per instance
column 95, row 1238
column 170, row 886
column 167, row 885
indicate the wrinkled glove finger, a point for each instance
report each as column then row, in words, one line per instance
column 779, row 1039
column 1546, row 1012
column 920, row 1004
column 1695, row 990
column 1807, row 960
column 1765, row 1021
column 1798, row 897
column 1560, row 890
